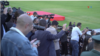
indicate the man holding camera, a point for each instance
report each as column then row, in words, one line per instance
column 46, row 47
column 75, row 39
column 15, row 43
column 53, row 30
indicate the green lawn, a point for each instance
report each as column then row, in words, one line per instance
column 74, row 11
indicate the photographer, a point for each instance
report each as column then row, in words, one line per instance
column 31, row 33
column 53, row 30
column 46, row 47
column 16, row 14
column 93, row 33
column 75, row 39
column 5, row 17
column 45, row 17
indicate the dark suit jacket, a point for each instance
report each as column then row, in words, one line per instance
column 90, row 46
column 4, row 18
column 91, row 53
column 46, row 47
column 64, row 37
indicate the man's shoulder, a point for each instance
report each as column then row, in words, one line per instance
column 90, row 53
column 11, row 33
column 41, row 31
column 13, row 36
column 50, row 29
column 75, row 27
column 86, row 53
column 46, row 31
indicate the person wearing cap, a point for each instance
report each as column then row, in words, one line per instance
column 34, row 16
column 53, row 30
column 96, row 48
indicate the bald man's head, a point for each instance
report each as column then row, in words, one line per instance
column 24, row 23
column 24, row 19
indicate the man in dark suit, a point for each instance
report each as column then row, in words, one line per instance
column 46, row 47
column 96, row 50
column 5, row 17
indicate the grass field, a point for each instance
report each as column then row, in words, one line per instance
column 74, row 11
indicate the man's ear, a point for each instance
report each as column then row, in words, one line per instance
column 26, row 26
column 55, row 26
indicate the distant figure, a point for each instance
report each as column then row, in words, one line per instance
column 34, row 16
column 96, row 49
column 74, row 24
column 70, row 23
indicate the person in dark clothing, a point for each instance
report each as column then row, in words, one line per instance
column 96, row 48
column 31, row 33
column 46, row 47
column 90, row 46
column 5, row 17
column 64, row 43
column 87, row 41
column 74, row 24
column 70, row 23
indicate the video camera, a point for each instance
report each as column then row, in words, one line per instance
column 38, row 27
column 92, row 31
column 50, row 16
column 59, row 27
column 4, row 3
column 88, row 29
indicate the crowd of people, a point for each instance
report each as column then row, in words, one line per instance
column 24, row 35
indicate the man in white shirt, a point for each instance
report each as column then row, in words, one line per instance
column 75, row 39
column 34, row 16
